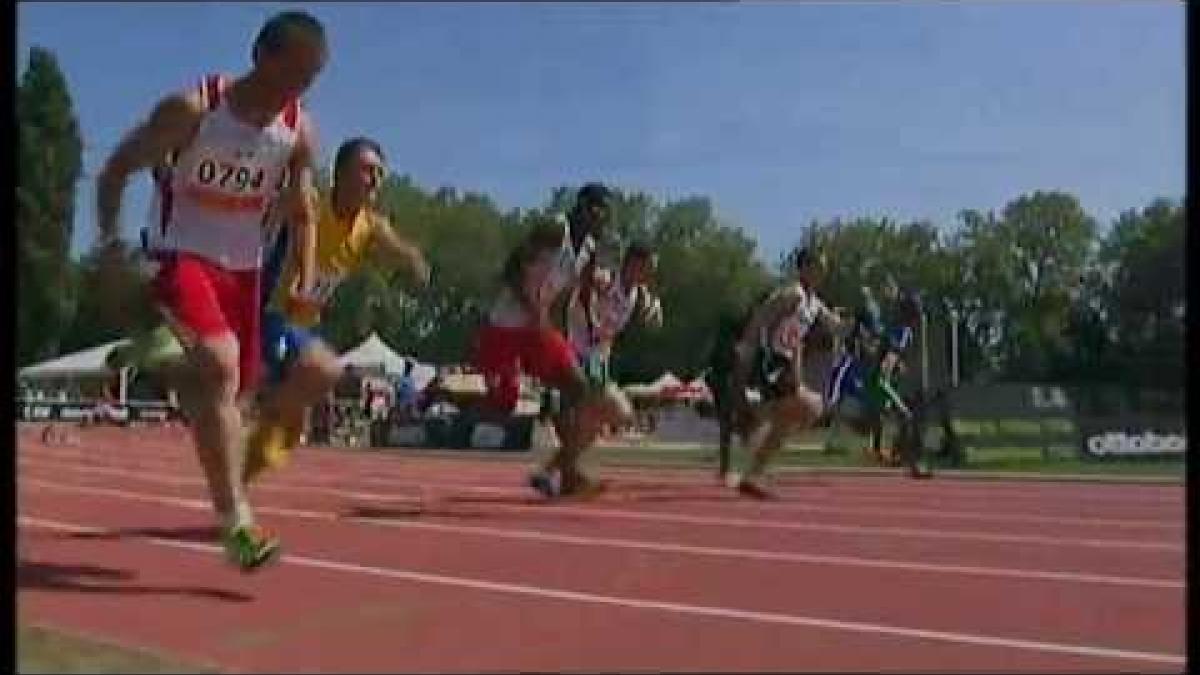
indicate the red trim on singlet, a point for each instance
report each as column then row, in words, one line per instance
column 291, row 114
column 211, row 88
column 214, row 86
column 167, row 202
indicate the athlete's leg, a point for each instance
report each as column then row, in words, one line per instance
column 785, row 414
column 611, row 408
column 301, row 370
column 497, row 355
column 841, row 384
column 579, row 420
column 718, row 383
column 551, row 359
column 209, row 306
column 912, row 435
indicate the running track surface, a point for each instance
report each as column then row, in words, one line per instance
column 405, row 563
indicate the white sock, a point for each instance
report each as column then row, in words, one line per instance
column 241, row 516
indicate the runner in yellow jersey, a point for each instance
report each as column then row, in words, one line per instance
column 300, row 369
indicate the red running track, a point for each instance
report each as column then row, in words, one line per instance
column 414, row 563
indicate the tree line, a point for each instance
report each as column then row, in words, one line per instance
column 1040, row 291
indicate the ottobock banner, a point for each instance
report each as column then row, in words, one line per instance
column 1101, row 421
column 1134, row 436
column 1116, row 421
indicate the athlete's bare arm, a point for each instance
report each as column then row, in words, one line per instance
column 397, row 249
column 832, row 320
column 170, row 126
column 777, row 306
column 299, row 204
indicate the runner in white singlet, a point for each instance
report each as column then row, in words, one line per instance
column 615, row 300
column 229, row 145
column 768, row 355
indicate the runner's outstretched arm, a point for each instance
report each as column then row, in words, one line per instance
column 399, row 250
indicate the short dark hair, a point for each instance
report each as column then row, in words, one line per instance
column 349, row 149
column 275, row 32
column 798, row 258
column 592, row 193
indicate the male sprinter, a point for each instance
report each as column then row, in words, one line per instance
column 300, row 368
column 232, row 143
column 769, row 353
column 518, row 335
column 615, row 300
column 864, row 382
column 732, row 416
column 858, row 349
column 881, row 395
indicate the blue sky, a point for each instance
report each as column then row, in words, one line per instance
column 780, row 112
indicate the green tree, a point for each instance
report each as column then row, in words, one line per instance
column 1019, row 274
column 1146, row 294
column 50, row 156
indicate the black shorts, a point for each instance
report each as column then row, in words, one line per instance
column 720, row 383
column 771, row 374
column 774, row 375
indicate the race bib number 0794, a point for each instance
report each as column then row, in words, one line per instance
column 228, row 176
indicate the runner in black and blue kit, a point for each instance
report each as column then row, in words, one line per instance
column 864, row 378
column 862, row 342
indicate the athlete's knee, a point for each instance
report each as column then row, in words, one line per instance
column 318, row 365
column 573, row 384
column 216, row 363
column 801, row 404
column 617, row 408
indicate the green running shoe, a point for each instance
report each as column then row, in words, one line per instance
column 250, row 547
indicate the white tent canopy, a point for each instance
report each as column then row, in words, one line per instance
column 373, row 352
column 86, row 363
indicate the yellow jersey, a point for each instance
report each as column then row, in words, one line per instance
column 342, row 247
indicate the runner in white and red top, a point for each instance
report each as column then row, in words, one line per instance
column 231, row 145
column 518, row 335
column 616, row 298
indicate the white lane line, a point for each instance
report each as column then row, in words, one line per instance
column 665, row 517
column 673, row 607
column 411, row 482
column 643, row 545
